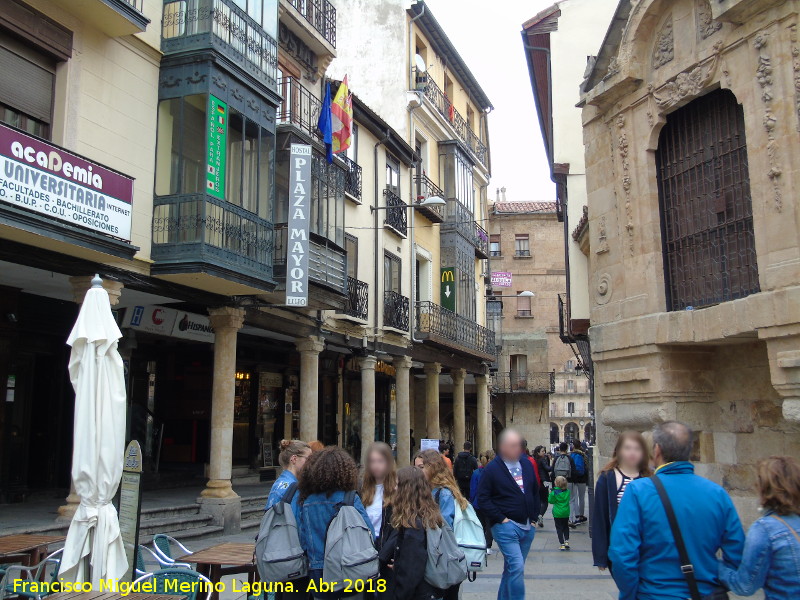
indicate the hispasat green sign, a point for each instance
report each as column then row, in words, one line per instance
column 217, row 145
column 448, row 298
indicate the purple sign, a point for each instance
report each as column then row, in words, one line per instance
column 501, row 279
column 43, row 178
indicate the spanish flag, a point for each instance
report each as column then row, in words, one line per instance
column 342, row 116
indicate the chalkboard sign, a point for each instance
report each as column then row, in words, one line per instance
column 130, row 504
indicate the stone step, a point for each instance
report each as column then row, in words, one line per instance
column 195, row 534
column 160, row 512
column 259, row 500
column 173, row 526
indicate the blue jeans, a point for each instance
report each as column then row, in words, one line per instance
column 514, row 542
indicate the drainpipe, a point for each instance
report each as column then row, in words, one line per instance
column 380, row 142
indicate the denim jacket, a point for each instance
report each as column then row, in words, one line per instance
column 314, row 516
column 447, row 504
column 771, row 560
column 279, row 488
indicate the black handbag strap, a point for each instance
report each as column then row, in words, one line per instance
column 686, row 565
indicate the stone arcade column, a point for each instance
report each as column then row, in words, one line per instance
column 402, row 377
column 367, row 432
column 309, row 349
column 483, row 417
column 432, row 371
column 459, row 409
column 81, row 285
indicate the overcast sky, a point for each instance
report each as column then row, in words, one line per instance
column 487, row 35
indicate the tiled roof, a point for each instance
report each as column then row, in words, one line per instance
column 525, row 207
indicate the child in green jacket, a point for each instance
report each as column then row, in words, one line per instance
column 559, row 498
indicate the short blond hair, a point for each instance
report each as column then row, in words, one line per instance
column 561, row 482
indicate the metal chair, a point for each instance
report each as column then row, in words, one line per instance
column 162, row 544
column 36, row 573
column 179, row 576
column 143, row 553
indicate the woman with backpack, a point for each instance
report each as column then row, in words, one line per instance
column 327, row 476
column 485, row 459
column 404, row 554
column 378, row 485
column 292, row 457
column 577, row 485
column 540, row 456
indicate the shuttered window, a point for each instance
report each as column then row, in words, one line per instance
column 27, row 97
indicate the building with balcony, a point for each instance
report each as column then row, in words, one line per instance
column 571, row 410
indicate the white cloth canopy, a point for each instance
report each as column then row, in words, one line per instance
column 97, row 374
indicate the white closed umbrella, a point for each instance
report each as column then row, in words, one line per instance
column 94, row 549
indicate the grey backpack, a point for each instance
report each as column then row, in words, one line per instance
column 562, row 466
column 279, row 556
column 350, row 552
column 447, row 565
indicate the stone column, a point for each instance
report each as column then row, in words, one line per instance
column 367, row 364
column 432, row 371
column 403, row 374
column 483, row 416
column 309, row 349
column 81, row 285
column 226, row 322
column 459, row 409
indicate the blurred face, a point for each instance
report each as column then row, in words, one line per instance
column 511, row 447
column 378, row 466
column 630, row 455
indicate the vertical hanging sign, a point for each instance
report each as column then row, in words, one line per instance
column 217, row 146
column 448, row 298
column 298, row 226
column 130, row 499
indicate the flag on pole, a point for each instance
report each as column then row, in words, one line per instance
column 342, row 115
column 324, row 123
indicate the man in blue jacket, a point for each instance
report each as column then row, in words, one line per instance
column 645, row 560
column 508, row 495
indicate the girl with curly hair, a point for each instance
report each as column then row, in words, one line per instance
column 404, row 555
column 326, row 477
column 380, row 481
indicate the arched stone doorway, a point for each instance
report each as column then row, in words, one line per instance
column 554, row 434
column 571, row 432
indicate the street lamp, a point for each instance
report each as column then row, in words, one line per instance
column 523, row 294
column 430, row 201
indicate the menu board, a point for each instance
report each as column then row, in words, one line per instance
column 130, row 499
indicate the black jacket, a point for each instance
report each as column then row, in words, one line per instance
column 471, row 462
column 603, row 515
column 406, row 579
column 499, row 495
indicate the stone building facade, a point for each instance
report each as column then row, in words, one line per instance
column 691, row 112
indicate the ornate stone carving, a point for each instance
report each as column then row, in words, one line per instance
column 765, row 81
column 664, row 49
column 795, row 69
column 602, row 236
column 706, row 25
column 613, row 67
column 603, row 290
column 623, row 149
column 688, row 83
column 196, row 78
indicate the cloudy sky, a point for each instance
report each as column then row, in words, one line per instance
column 487, row 35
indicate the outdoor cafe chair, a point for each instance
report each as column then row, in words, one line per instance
column 144, row 554
column 178, row 576
column 38, row 573
column 163, row 544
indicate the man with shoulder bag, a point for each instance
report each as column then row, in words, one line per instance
column 669, row 528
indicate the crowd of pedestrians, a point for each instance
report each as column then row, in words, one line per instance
column 660, row 530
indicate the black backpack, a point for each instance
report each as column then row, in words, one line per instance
column 462, row 468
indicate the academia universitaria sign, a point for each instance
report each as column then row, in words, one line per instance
column 43, row 178
column 298, row 226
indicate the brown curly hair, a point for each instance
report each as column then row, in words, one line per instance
column 413, row 500
column 439, row 474
column 778, row 480
column 326, row 471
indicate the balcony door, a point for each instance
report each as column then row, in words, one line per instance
column 519, row 371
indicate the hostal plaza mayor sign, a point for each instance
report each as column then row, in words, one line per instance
column 43, row 178
column 298, row 226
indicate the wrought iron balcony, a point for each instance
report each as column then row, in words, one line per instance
column 327, row 263
column 300, row 108
column 352, row 178
column 449, row 113
column 198, row 233
column 321, row 14
column 524, row 383
column 446, row 328
column 459, row 218
column 224, row 27
column 395, row 311
column 427, row 189
column 357, row 299
column 396, row 213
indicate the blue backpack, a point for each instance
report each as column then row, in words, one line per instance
column 580, row 464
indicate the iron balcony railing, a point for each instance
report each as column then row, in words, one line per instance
column 220, row 24
column 299, row 108
column 357, row 299
column 464, row 132
column 396, row 213
column 443, row 326
column 352, row 177
column 321, row 14
column 195, row 228
column 327, row 263
column 395, row 311
column 459, row 218
column 562, row 412
column 529, row 383
column 427, row 189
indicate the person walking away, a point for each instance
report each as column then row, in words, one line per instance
column 578, row 483
column 545, row 475
column 327, row 476
column 772, row 548
column 485, row 458
column 378, row 484
column 630, row 461
column 444, row 450
column 644, row 553
column 404, row 553
column 509, row 495
column 559, row 498
column 527, row 454
column 292, row 455
column 464, row 466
